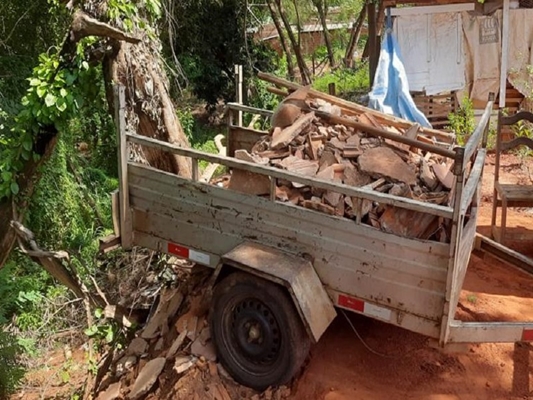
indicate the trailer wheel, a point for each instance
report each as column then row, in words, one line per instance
column 259, row 336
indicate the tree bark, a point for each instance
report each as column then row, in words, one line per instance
column 321, row 8
column 282, row 39
column 304, row 71
column 355, row 34
column 135, row 64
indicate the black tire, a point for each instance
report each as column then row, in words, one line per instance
column 257, row 331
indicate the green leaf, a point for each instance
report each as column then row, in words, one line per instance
column 63, row 92
column 14, row 188
column 91, row 331
column 28, row 144
column 109, row 334
column 61, row 104
column 6, row 175
column 41, row 91
column 98, row 313
column 50, row 100
column 70, row 78
column 35, row 82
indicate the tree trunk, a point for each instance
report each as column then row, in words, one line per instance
column 320, row 6
column 135, row 64
column 354, row 37
column 282, row 39
column 304, row 71
column 44, row 146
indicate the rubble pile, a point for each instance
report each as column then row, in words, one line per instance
column 173, row 356
column 304, row 142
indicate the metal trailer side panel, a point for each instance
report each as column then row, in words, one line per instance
column 402, row 274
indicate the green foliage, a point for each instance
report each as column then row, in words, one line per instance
column 105, row 331
column 209, row 40
column 53, row 98
column 462, row 122
column 346, row 80
column 11, row 372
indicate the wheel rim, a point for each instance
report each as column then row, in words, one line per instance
column 254, row 334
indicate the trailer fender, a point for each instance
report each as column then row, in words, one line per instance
column 295, row 273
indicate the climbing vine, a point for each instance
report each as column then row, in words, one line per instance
column 58, row 89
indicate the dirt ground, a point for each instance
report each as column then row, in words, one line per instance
column 393, row 363
column 341, row 368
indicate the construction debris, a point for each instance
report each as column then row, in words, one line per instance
column 185, row 367
column 306, row 140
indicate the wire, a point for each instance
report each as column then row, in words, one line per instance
column 367, row 346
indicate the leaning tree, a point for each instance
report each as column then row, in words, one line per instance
column 113, row 40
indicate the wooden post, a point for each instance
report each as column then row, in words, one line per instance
column 123, row 153
column 505, row 52
column 372, row 40
column 238, row 89
column 331, row 88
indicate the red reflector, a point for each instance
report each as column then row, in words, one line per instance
column 178, row 250
column 350, row 302
column 527, row 335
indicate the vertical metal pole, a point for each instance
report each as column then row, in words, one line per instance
column 505, row 52
column 372, row 40
column 124, row 198
column 238, row 88
column 195, row 170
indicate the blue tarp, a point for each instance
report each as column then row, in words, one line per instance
column 390, row 93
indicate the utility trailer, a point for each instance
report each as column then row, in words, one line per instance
column 281, row 270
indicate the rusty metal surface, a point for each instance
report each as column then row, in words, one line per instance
column 296, row 273
column 403, row 274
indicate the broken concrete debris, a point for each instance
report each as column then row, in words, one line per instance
column 147, row 377
column 304, row 142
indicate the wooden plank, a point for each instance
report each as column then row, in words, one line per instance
column 432, row 9
column 123, row 153
column 504, row 254
column 473, row 180
column 477, row 135
column 356, row 109
column 386, row 134
column 277, row 173
column 505, row 52
column 287, row 135
column 248, row 109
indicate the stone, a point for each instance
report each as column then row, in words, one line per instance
column 250, row 183
column 168, row 305
column 332, row 198
column 183, row 363
column 253, row 158
column 177, row 344
column 147, row 377
column 284, row 137
column 124, row 365
column 111, row 393
column 383, row 162
column 326, row 159
column 443, row 174
column 427, row 176
column 408, row 223
column 318, row 206
column 353, row 177
column 204, row 347
column 300, row 167
column 137, row 347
